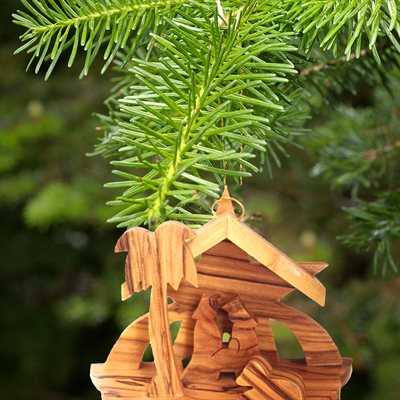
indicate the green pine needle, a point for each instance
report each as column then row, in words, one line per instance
column 206, row 93
column 53, row 27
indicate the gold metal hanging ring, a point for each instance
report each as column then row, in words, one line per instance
column 239, row 203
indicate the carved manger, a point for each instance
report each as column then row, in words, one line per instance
column 223, row 278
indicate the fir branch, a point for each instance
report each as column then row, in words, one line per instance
column 348, row 147
column 330, row 63
column 52, row 27
column 327, row 79
column 200, row 110
column 376, row 227
column 341, row 26
column 358, row 151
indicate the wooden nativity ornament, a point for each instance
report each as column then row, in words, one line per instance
column 223, row 278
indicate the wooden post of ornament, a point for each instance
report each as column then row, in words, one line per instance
column 158, row 260
column 226, row 281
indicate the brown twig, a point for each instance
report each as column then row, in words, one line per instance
column 372, row 154
column 319, row 67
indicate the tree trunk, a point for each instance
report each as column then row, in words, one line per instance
column 166, row 382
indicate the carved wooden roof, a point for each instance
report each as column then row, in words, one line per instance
column 226, row 226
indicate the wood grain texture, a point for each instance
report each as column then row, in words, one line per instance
column 211, row 356
column 226, row 226
column 267, row 382
column 224, row 301
column 159, row 259
column 243, row 343
column 207, row 338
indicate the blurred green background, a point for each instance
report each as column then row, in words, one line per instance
column 60, row 280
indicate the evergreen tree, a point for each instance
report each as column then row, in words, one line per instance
column 213, row 90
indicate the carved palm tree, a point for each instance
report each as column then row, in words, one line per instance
column 156, row 260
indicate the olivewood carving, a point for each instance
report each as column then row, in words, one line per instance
column 159, row 259
column 227, row 283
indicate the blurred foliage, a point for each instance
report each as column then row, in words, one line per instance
column 56, row 203
column 365, row 320
column 56, row 283
column 376, row 224
column 60, row 280
column 206, row 91
column 356, row 146
column 358, row 150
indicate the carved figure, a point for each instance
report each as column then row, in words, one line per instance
column 226, row 281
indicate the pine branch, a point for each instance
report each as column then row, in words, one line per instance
column 329, row 63
column 200, row 110
column 208, row 86
column 327, row 79
column 376, row 227
column 348, row 147
column 54, row 26
column 358, row 151
column 341, row 26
